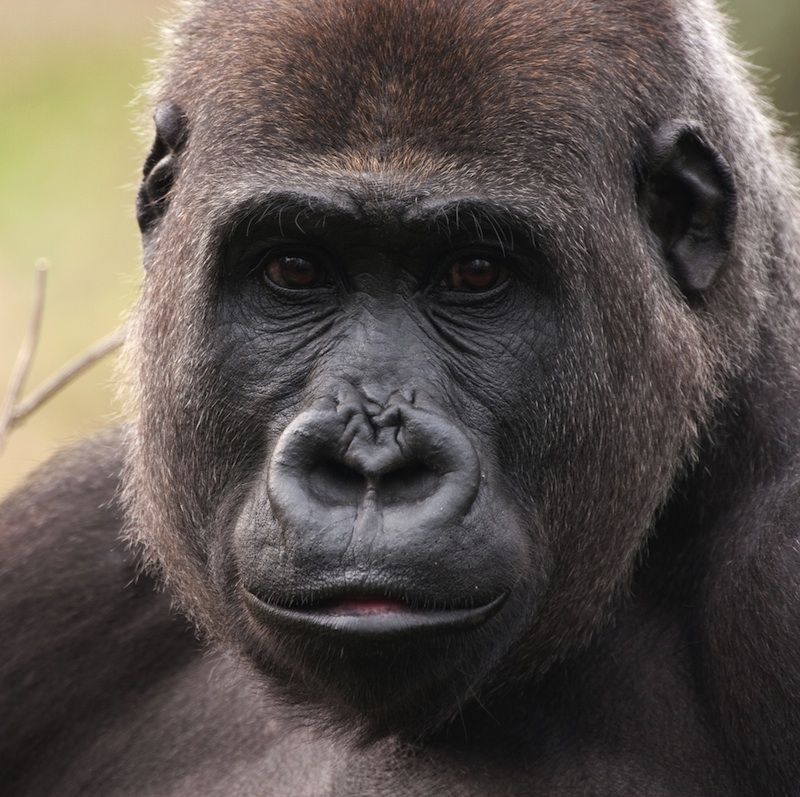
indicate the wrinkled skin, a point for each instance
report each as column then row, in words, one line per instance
column 464, row 426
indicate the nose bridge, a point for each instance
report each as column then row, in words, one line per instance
column 381, row 351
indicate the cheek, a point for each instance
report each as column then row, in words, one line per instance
column 267, row 371
column 503, row 369
column 521, row 401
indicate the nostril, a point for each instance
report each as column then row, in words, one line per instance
column 413, row 481
column 334, row 482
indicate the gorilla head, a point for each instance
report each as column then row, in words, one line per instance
column 440, row 298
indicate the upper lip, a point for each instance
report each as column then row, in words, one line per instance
column 312, row 612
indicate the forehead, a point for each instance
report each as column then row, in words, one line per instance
column 411, row 84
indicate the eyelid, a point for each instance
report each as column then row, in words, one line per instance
column 479, row 251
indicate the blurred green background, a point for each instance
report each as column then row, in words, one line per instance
column 70, row 71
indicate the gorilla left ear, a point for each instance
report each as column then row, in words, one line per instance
column 160, row 166
column 689, row 199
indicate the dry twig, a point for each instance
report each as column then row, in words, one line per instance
column 69, row 372
column 24, row 361
column 15, row 411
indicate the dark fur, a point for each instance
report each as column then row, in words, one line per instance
column 639, row 423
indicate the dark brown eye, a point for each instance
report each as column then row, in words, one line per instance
column 294, row 271
column 475, row 274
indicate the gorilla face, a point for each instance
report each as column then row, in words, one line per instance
column 380, row 532
column 411, row 401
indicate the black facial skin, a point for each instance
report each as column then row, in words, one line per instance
column 464, row 424
column 374, row 517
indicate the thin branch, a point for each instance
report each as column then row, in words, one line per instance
column 27, row 350
column 67, row 374
column 14, row 410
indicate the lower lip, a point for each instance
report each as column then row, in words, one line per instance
column 375, row 619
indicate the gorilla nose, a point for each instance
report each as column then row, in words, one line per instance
column 400, row 468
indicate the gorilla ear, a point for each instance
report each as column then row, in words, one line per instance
column 159, row 168
column 689, row 199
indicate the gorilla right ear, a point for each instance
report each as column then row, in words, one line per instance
column 689, row 199
column 159, row 169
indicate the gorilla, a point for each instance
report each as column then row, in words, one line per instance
column 464, row 441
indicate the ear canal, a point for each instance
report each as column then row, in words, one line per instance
column 158, row 174
column 689, row 200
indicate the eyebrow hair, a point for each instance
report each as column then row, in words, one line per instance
column 476, row 216
column 255, row 207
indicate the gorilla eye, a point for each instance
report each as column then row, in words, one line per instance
column 474, row 275
column 295, row 272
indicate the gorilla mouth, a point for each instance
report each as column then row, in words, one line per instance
column 372, row 615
